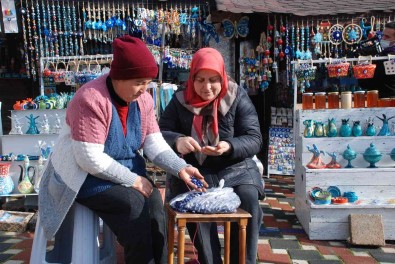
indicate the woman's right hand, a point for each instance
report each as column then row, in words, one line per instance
column 143, row 185
column 187, row 145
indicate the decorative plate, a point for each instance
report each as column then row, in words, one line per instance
column 335, row 191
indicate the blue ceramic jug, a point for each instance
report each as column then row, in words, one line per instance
column 345, row 129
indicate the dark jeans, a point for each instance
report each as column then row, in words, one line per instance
column 206, row 239
column 139, row 223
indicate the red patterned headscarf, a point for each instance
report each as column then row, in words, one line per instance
column 205, row 125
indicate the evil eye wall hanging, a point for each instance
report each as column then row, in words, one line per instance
column 336, row 34
column 352, row 34
column 236, row 29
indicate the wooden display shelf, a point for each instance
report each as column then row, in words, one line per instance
column 331, row 222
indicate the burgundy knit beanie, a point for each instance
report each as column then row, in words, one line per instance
column 132, row 60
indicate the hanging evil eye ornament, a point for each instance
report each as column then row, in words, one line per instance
column 336, row 34
column 305, row 73
column 352, row 34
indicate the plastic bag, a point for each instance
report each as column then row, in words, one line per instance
column 213, row 201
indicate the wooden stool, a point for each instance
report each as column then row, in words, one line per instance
column 182, row 219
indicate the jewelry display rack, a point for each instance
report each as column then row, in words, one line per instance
column 373, row 186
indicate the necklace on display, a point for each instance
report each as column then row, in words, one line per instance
column 25, row 47
column 31, row 47
column 60, row 30
column 74, row 28
column 55, row 31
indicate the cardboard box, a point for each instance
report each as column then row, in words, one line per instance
column 13, row 221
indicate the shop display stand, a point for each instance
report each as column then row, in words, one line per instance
column 375, row 187
column 27, row 144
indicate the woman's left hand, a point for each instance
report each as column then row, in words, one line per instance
column 223, row 147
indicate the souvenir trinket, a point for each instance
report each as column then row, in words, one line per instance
column 371, row 129
column 392, row 154
column 6, row 182
column 351, row 196
column 345, row 129
column 385, row 130
column 26, row 177
column 309, row 128
column 349, row 155
column 331, row 128
column 32, row 125
column 333, row 164
column 356, row 129
column 372, row 155
column 319, row 130
column 316, row 161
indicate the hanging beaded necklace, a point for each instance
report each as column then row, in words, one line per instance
column 60, row 31
column 74, row 28
column 50, row 36
column 69, row 31
column 45, row 30
column 308, row 55
column 293, row 50
column 26, row 53
column 55, row 31
column 287, row 51
column 41, row 50
column 80, row 33
column 298, row 53
column 31, row 47
column 35, row 37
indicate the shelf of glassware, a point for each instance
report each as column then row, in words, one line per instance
column 27, row 144
column 375, row 187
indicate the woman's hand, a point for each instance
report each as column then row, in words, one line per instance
column 223, row 147
column 186, row 175
column 187, row 145
column 143, row 185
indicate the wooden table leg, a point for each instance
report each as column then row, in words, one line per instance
column 227, row 242
column 181, row 223
column 242, row 240
column 170, row 239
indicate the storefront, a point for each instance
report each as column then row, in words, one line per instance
column 277, row 51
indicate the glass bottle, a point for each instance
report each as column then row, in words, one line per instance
column 307, row 101
column 359, row 99
column 333, row 100
column 372, row 98
column 320, row 100
column 346, row 99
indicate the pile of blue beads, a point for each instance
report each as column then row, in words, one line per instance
column 197, row 182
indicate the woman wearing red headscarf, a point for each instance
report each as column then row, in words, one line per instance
column 214, row 125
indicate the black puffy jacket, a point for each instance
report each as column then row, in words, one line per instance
column 239, row 127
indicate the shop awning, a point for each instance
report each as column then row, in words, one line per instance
column 306, row 7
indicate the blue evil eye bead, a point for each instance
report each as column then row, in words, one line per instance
column 109, row 23
column 118, row 22
column 99, row 24
column 197, row 182
column 287, row 50
column 88, row 24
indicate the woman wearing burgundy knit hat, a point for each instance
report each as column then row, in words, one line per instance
column 96, row 161
column 213, row 123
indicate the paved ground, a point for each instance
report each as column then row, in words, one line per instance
column 282, row 239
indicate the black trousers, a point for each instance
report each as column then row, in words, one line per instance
column 139, row 223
